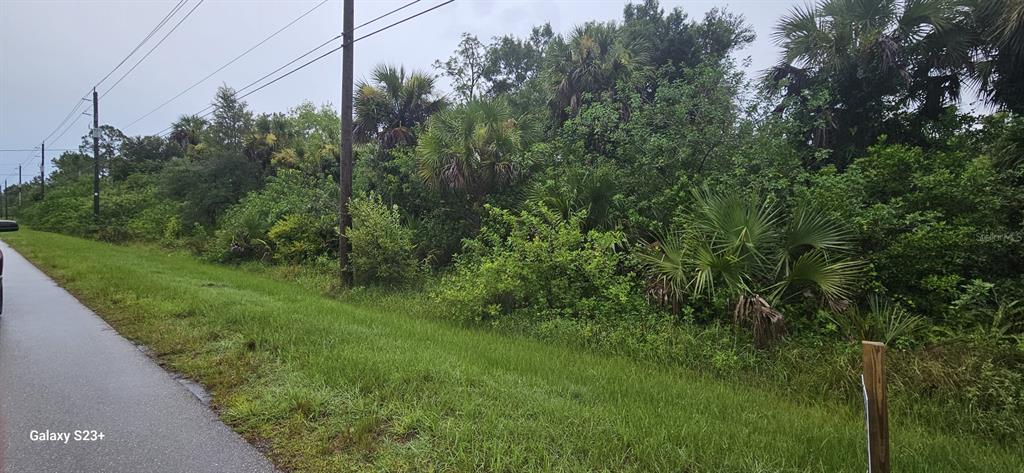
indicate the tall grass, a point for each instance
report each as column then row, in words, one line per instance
column 331, row 385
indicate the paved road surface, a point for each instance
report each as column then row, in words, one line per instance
column 63, row 369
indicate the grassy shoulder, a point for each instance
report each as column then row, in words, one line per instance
column 332, row 385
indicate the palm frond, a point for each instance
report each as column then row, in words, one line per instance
column 835, row 279
column 812, row 228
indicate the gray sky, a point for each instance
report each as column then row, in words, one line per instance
column 52, row 51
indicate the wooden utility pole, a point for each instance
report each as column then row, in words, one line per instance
column 42, row 173
column 19, row 188
column 877, row 407
column 345, row 171
column 95, row 156
column 5, row 199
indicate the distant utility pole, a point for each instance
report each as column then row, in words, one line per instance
column 345, row 172
column 95, row 156
column 5, row 199
column 19, row 188
column 42, row 172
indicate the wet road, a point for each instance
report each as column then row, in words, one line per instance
column 63, row 369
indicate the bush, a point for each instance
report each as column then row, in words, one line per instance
column 298, row 209
column 538, row 264
column 297, row 237
column 133, row 210
column 928, row 221
column 382, row 249
column 66, row 209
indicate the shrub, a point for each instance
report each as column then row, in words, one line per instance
column 927, row 220
column 297, row 237
column 880, row 321
column 382, row 249
column 537, row 264
column 289, row 199
column 133, row 209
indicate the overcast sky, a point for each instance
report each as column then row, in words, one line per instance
column 52, row 52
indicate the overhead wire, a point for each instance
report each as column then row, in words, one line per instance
column 293, row 61
column 144, row 40
column 67, row 117
column 157, row 45
column 84, row 98
column 70, row 125
column 225, row 65
column 306, row 64
column 343, row 45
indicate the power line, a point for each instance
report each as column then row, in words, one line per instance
column 221, row 68
column 372, row 33
column 176, row 25
column 435, row 7
column 67, row 118
column 392, row 25
column 78, row 104
column 403, row 7
column 70, row 125
column 148, row 36
column 35, row 149
column 293, row 61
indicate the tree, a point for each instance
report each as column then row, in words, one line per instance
column 747, row 252
column 675, row 40
column 999, row 27
column 209, row 184
column 139, row 155
column 187, row 131
column 589, row 62
column 474, row 148
column 111, row 140
column 269, row 134
column 868, row 59
column 314, row 140
column 231, row 119
column 511, row 63
column 69, row 167
column 222, row 169
column 466, row 67
column 390, row 106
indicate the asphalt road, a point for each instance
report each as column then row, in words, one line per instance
column 63, row 369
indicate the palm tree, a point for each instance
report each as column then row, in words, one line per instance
column 390, row 106
column 872, row 57
column 187, row 130
column 269, row 133
column 576, row 189
column 999, row 27
column 474, row 147
column 595, row 55
column 746, row 251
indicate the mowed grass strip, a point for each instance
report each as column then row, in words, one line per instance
column 326, row 385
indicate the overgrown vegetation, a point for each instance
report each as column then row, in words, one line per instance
column 623, row 188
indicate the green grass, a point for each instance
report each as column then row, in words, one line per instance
column 328, row 385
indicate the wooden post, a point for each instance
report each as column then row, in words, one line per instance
column 42, row 173
column 345, row 165
column 877, row 407
column 96, row 156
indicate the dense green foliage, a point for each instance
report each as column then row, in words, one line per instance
column 538, row 264
column 382, row 249
column 623, row 187
column 291, row 218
